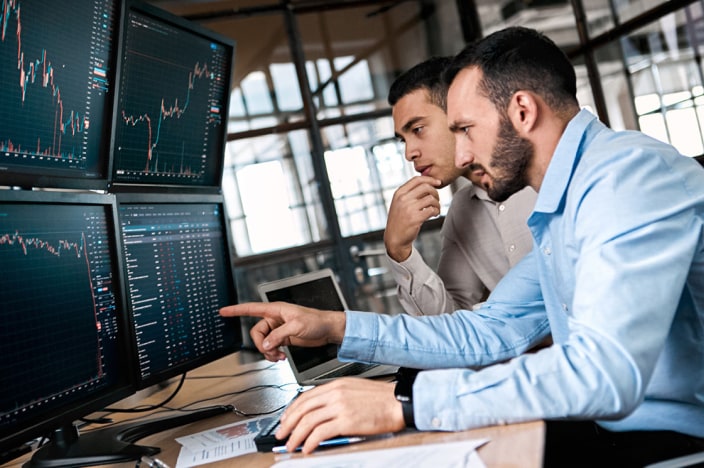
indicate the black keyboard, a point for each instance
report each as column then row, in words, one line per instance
column 265, row 440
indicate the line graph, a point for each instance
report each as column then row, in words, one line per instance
column 171, row 93
column 166, row 112
column 60, row 288
column 25, row 243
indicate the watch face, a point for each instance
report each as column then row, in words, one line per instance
column 404, row 384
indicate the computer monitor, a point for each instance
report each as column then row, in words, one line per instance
column 176, row 250
column 56, row 93
column 170, row 115
column 64, row 340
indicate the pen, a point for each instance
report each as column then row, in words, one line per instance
column 326, row 443
column 153, row 462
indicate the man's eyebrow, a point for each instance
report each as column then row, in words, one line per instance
column 407, row 126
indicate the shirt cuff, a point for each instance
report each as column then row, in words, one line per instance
column 359, row 342
column 410, row 271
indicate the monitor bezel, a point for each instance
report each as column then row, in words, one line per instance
column 196, row 29
column 173, row 199
column 43, row 424
column 28, row 178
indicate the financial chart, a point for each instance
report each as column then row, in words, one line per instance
column 58, row 287
column 54, row 85
column 173, row 86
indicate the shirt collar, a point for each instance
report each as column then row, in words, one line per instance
column 563, row 162
column 480, row 193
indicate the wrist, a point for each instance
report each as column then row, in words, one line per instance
column 399, row 254
column 337, row 333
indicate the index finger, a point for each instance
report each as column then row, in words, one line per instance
column 421, row 180
column 251, row 309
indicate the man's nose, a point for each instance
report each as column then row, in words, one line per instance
column 463, row 158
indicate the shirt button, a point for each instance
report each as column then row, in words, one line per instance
column 436, row 423
column 547, row 251
column 502, row 207
column 512, row 247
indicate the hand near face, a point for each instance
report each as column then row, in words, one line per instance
column 286, row 324
column 413, row 203
column 347, row 406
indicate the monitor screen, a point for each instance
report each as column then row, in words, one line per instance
column 64, row 343
column 179, row 274
column 56, row 93
column 170, row 118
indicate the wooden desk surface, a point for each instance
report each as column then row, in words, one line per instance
column 515, row 445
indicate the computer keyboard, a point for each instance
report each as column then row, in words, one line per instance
column 265, row 440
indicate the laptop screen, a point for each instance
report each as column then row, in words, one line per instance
column 319, row 293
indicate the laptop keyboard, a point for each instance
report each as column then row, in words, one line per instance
column 355, row 368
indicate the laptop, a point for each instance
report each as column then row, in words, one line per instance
column 314, row 366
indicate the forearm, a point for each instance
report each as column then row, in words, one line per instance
column 558, row 382
column 461, row 339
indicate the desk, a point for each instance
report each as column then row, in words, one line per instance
column 515, row 445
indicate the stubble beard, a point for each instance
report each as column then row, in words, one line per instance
column 509, row 162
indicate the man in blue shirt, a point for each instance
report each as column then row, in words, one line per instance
column 616, row 276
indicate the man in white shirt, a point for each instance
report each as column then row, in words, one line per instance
column 481, row 239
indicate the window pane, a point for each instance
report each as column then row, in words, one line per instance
column 615, row 85
column 554, row 18
column 286, row 88
column 599, row 16
column 256, row 94
column 664, row 77
column 269, row 183
column 353, row 54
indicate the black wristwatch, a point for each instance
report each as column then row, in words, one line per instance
column 404, row 393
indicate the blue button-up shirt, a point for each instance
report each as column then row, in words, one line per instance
column 616, row 276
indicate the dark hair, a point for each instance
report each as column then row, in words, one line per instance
column 426, row 75
column 519, row 58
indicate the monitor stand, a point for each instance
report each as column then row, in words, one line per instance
column 113, row 444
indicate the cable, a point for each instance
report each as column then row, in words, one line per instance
column 141, row 409
column 251, row 371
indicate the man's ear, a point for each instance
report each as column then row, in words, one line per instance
column 523, row 112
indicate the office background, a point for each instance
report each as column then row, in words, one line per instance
column 311, row 159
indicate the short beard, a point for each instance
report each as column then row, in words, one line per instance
column 509, row 162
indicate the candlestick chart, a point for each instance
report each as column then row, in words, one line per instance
column 54, row 86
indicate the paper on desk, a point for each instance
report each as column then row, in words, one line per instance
column 462, row 454
column 220, row 443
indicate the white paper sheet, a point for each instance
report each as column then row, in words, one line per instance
column 462, row 454
column 220, row 443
